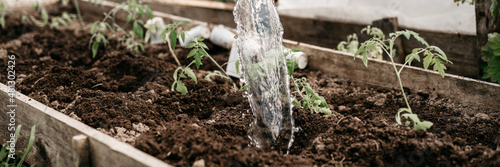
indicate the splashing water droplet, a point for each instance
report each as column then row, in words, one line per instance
column 265, row 73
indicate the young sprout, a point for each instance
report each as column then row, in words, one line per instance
column 309, row 99
column 135, row 11
column 65, row 19
column 6, row 155
column 3, row 12
column 352, row 44
column 154, row 28
column 433, row 56
column 198, row 52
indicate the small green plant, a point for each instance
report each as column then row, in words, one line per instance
column 3, row 12
column 491, row 55
column 172, row 30
column 349, row 46
column 198, row 52
column 55, row 22
column 494, row 9
column 135, row 11
column 18, row 159
column 433, row 56
column 352, row 43
column 309, row 99
column 65, row 19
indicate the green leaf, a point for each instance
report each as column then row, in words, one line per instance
column 63, row 23
column 31, row 142
column 440, row 68
column 412, row 117
column 326, row 111
column 129, row 17
column 182, row 22
column 295, row 50
column 192, row 53
column 183, row 36
column 407, row 123
column 494, row 8
column 418, row 38
column 101, row 38
column 306, row 105
column 173, row 39
column 3, row 155
column 341, row 46
column 441, row 54
column 45, row 16
column 2, row 22
column 141, row 47
column 291, row 65
column 197, row 59
column 188, row 71
column 316, row 103
column 95, row 46
column 406, row 34
column 181, row 87
column 423, row 125
column 296, row 102
column 191, row 45
column 365, row 58
column 309, row 89
column 427, row 61
column 18, row 131
column 237, row 64
column 201, row 44
column 148, row 11
column 361, row 49
column 138, row 30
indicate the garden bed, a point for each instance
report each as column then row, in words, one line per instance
column 127, row 96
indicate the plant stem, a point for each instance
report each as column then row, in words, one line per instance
column 172, row 52
column 79, row 14
column 296, row 87
column 399, row 79
column 223, row 71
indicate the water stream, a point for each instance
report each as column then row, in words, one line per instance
column 265, row 73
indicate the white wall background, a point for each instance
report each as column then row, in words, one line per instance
column 432, row 15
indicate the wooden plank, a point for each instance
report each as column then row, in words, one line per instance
column 55, row 133
column 211, row 4
column 56, row 130
column 380, row 73
column 485, row 24
column 328, row 33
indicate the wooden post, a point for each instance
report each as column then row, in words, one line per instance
column 485, row 24
column 390, row 25
column 81, row 152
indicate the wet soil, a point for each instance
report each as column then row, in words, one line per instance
column 127, row 95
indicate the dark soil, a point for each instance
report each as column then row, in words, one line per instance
column 124, row 93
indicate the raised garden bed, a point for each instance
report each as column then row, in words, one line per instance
column 127, row 96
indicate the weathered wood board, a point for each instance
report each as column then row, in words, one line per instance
column 55, row 132
column 464, row 90
column 328, row 33
column 380, row 73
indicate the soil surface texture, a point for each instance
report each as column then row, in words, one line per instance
column 127, row 95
